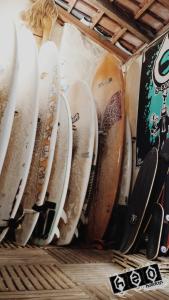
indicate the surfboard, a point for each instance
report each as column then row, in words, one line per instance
column 12, row 9
column 108, row 94
column 133, row 70
column 79, row 54
column 19, row 153
column 8, row 75
column 126, row 167
column 47, row 226
column 89, row 193
column 46, row 135
column 82, row 111
column 153, row 110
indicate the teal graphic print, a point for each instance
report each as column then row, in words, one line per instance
column 153, row 110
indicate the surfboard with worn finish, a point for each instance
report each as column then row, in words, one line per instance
column 79, row 54
column 82, row 111
column 108, row 94
column 47, row 226
column 89, row 194
column 46, row 134
column 8, row 76
column 126, row 167
column 19, row 153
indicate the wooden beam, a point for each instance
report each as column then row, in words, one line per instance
column 163, row 30
column 66, row 17
column 106, row 6
column 72, row 5
column 144, row 8
column 164, row 2
column 118, row 35
column 97, row 18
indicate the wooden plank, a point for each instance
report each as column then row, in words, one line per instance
column 24, row 256
column 8, row 281
column 31, row 277
column 63, row 277
column 146, row 5
column 18, row 283
column 93, row 35
column 48, row 276
column 163, row 30
column 58, row 257
column 60, row 282
column 41, row 279
column 3, row 287
column 164, row 2
column 53, row 276
column 25, row 279
column 67, row 294
column 97, row 18
column 106, row 6
column 118, row 35
column 73, row 2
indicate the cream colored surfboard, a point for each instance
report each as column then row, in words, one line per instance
column 124, row 184
column 12, row 9
column 108, row 91
column 59, row 178
column 82, row 111
column 46, row 135
column 78, row 57
column 133, row 70
column 8, row 76
column 19, row 153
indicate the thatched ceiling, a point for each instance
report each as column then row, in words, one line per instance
column 122, row 26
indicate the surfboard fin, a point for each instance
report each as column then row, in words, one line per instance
column 57, row 232
column 101, row 132
column 83, row 219
column 29, row 211
column 76, row 233
column 64, row 216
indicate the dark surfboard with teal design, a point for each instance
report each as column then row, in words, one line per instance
column 153, row 111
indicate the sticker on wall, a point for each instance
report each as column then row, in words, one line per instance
column 153, row 111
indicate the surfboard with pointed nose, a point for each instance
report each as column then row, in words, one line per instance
column 8, row 75
column 47, row 226
column 82, row 111
column 20, row 148
column 108, row 91
column 46, row 134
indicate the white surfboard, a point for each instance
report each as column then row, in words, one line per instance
column 59, row 178
column 46, row 135
column 12, row 9
column 83, row 118
column 8, row 75
column 126, row 167
column 19, row 153
column 79, row 57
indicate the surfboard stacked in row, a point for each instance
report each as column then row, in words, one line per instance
column 63, row 151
